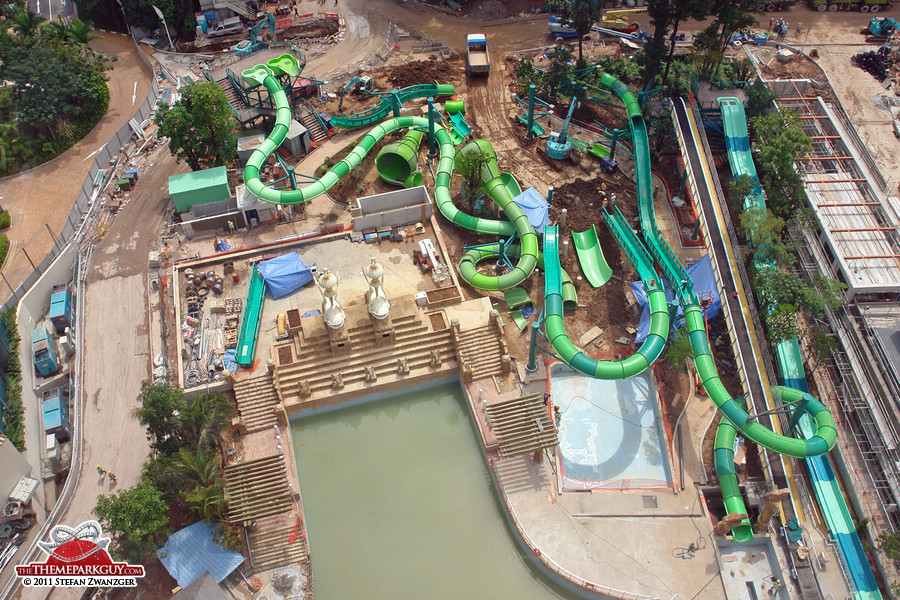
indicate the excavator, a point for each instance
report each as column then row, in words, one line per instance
column 357, row 84
column 558, row 145
column 268, row 20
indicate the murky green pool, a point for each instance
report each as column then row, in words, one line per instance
column 399, row 504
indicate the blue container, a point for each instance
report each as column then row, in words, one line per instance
column 55, row 407
column 760, row 40
column 62, row 307
column 132, row 172
column 211, row 17
column 43, row 350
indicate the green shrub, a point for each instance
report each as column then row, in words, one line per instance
column 5, row 219
column 4, row 247
column 14, row 414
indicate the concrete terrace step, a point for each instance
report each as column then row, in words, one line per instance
column 256, row 397
column 313, row 357
column 383, row 363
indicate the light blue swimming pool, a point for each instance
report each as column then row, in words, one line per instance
column 611, row 435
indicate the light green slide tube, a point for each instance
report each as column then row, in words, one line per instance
column 493, row 185
column 388, row 105
column 467, row 268
column 397, row 163
column 590, row 257
column 554, row 325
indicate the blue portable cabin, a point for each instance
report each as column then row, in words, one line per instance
column 62, row 307
column 43, row 350
column 56, row 413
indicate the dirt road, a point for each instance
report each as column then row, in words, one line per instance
column 45, row 194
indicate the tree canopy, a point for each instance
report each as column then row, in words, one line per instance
column 580, row 15
column 136, row 518
column 199, row 126
column 179, row 15
column 779, row 140
column 56, row 89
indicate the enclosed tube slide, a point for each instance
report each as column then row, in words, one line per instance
column 397, row 163
column 555, row 328
column 265, row 74
column 493, row 185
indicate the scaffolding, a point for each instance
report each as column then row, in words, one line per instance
column 859, row 245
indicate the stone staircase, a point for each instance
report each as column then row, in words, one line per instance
column 256, row 399
column 257, row 489
column 309, row 120
column 314, row 361
column 277, row 541
column 482, row 350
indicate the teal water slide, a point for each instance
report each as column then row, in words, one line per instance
column 256, row 295
column 391, row 103
column 590, row 256
column 789, row 363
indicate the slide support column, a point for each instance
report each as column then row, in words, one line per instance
column 432, row 146
column 530, row 123
column 531, row 366
column 395, row 102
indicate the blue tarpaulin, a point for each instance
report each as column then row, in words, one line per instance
column 191, row 552
column 285, row 274
column 704, row 282
column 535, row 207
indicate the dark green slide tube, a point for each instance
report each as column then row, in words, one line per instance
column 728, row 482
column 826, row 433
column 555, row 329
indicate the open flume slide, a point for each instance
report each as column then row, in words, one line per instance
column 555, row 328
column 590, row 257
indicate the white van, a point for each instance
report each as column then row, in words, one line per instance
column 227, row 27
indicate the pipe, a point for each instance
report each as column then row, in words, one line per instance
column 397, row 163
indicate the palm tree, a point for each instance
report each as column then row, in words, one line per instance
column 82, row 31
column 56, row 30
column 207, row 502
column 26, row 23
column 204, row 417
column 197, row 467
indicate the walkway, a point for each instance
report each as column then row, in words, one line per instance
column 43, row 196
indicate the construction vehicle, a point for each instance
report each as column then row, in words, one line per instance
column 559, row 28
column 425, row 256
column 228, row 26
column 860, row 5
column 558, row 145
column 269, row 20
column 773, row 5
column 620, row 19
column 882, row 26
column 478, row 62
column 357, row 85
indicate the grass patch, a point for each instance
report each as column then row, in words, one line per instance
column 4, row 249
column 5, row 219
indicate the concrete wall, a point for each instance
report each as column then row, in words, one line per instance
column 13, row 467
column 391, row 209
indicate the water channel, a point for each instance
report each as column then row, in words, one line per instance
column 399, row 504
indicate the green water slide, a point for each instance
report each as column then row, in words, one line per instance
column 518, row 223
column 723, row 455
column 253, row 304
column 391, row 103
column 555, row 328
column 590, row 257
column 673, row 270
column 397, row 163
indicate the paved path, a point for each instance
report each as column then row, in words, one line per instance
column 43, row 196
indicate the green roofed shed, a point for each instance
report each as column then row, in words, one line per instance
column 199, row 187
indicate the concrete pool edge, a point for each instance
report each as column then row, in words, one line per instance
column 531, row 555
column 599, row 486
